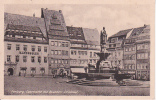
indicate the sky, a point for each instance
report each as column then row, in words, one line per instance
column 114, row 17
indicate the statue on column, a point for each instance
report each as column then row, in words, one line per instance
column 103, row 36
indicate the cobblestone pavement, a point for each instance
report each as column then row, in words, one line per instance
column 14, row 85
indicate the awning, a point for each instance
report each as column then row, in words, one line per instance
column 77, row 70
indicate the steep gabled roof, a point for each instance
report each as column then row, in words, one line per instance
column 75, row 33
column 25, row 22
column 55, row 23
column 92, row 36
column 137, row 31
column 121, row 33
column 24, row 28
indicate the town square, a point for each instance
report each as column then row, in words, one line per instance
column 51, row 53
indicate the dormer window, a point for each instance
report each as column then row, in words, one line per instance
column 24, row 36
column 34, row 37
column 8, row 30
column 13, row 35
column 25, row 31
column 29, row 31
column 79, row 35
column 54, row 16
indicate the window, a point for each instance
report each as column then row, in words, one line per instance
column 90, row 54
column 34, row 37
column 119, row 61
column 133, row 48
column 66, row 53
column 114, row 45
column 55, row 61
column 118, row 53
column 85, row 52
column 59, row 61
column 133, row 57
column 94, row 54
column 110, row 46
column 24, row 58
column 39, row 48
column 113, row 40
column 13, row 35
column 17, row 47
column 25, row 47
column 90, row 61
column 133, row 66
column 130, row 66
column 130, row 49
column 63, row 44
column 9, row 47
column 52, row 52
column 146, row 55
column 33, row 48
column 147, row 46
column 45, row 49
column 59, row 44
column 56, row 43
column 72, row 52
column 52, row 43
column 52, row 61
column 59, row 52
column 126, row 49
column 56, row 52
column 138, row 56
column 8, row 58
column 66, row 44
column 45, row 59
column 24, row 36
column 138, row 47
column 94, row 61
column 39, row 59
column 17, row 58
column 33, row 59
column 79, row 52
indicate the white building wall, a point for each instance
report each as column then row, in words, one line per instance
column 13, row 52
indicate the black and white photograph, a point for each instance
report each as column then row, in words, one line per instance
column 77, row 50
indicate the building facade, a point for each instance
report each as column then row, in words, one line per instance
column 143, row 54
column 84, row 46
column 130, row 51
column 114, row 46
column 59, row 42
column 137, row 53
column 25, row 46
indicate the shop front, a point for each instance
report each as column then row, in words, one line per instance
column 143, row 75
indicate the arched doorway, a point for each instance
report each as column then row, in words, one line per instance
column 11, row 71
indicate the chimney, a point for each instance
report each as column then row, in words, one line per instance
column 60, row 11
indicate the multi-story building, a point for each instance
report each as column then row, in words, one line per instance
column 136, row 53
column 114, row 46
column 25, row 45
column 143, row 54
column 84, row 46
column 59, row 43
column 92, row 38
column 129, row 45
column 78, row 47
column 130, row 51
